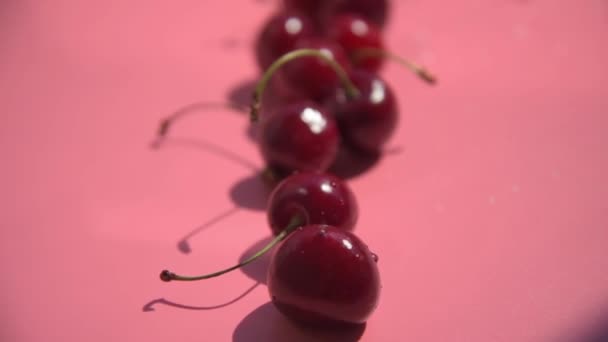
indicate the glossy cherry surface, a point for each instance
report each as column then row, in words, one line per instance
column 323, row 275
column 317, row 198
column 311, row 76
column 376, row 11
column 368, row 121
column 355, row 33
column 298, row 137
column 280, row 35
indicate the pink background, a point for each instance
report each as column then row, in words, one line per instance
column 490, row 217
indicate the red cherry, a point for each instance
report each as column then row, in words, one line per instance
column 317, row 198
column 279, row 36
column 299, row 137
column 312, row 76
column 355, row 34
column 312, row 71
column 376, row 11
column 312, row 8
column 323, row 275
column 368, row 121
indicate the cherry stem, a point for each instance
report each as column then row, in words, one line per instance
column 351, row 90
column 424, row 74
column 295, row 222
column 166, row 123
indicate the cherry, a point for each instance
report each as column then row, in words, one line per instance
column 375, row 11
column 279, row 36
column 298, row 137
column 312, row 8
column 293, row 57
column 318, row 198
column 312, row 76
column 355, row 33
column 319, row 275
column 323, row 275
column 368, row 121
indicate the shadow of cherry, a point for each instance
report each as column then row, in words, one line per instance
column 350, row 163
column 150, row 306
column 266, row 324
column 258, row 269
column 241, row 93
column 250, row 192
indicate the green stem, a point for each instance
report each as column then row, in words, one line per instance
column 296, row 222
column 351, row 90
column 424, row 74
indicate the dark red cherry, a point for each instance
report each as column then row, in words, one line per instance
column 368, row 121
column 375, row 11
column 355, row 33
column 298, row 137
column 311, row 76
column 312, row 8
column 323, row 275
column 279, row 35
column 317, row 198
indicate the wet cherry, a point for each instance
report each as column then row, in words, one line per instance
column 279, row 36
column 318, row 198
column 318, row 275
column 356, row 34
column 298, row 137
column 322, row 275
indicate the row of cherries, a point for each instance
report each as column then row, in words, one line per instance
column 325, row 94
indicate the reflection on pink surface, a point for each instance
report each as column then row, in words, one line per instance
column 491, row 224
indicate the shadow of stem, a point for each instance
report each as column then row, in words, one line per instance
column 150, row 305
column 184, row 246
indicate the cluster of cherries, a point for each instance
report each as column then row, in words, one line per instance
column 326, row 95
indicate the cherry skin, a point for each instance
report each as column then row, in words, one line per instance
column 317, row 198
column 279, row 36
column 323, row 275
column 312, row 8
column 354, row 33
column 368, row 121
column 376, row 11
column 298, row 137
column 311, row 76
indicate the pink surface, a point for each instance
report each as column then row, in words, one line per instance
column 491, row 223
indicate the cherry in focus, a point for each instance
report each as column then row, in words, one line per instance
column 318, row 198
column 324, row 276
